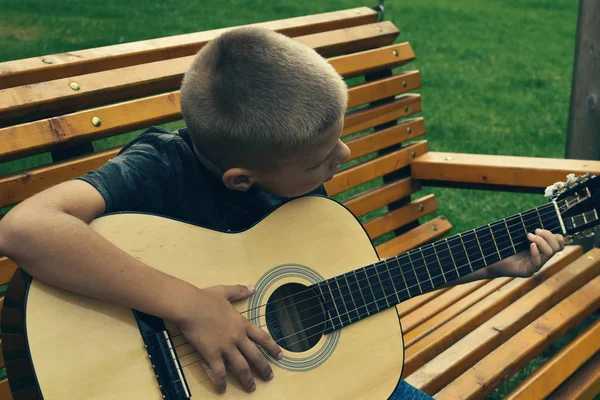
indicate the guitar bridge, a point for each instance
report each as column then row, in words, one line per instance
column 162, row 356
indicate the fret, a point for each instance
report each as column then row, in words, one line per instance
column 386, row 290
column 459, row 255
column 503, row 240
column 367, row 290
column 530, row 222
column 439, row 262
column 473, row 250
column 347, row 298
column 510, row 237
column 495, row 242
column 362, row 299
column 426, row 266
column 376, row 288
column 399, row 267
column 414, row 272
column 392, row 280
column 425, row 285
column 329, row 306
column 539, row 218
column 408, row 274
column 523, row 225
column 338, row 302
column 485, row 261
column 488, row 245
column 442, row 248
column 467, row 253
column 434, row 266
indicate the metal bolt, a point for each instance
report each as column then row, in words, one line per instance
column 404, row 84
column 413, row 154
column 74, row 86
column 591, row 258
column 395, row 53
column 356, row 12
column 47, row 61
column 434, row 228
column 379, row 29
column 96, row 122
column 406, row 108
column 421, row 207
column 409, row 130
column 448, row 158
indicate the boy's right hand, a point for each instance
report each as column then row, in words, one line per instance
column 220, row 333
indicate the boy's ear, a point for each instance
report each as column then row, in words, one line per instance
column 238, row 179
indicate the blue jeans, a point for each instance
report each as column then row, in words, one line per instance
column 404, row 391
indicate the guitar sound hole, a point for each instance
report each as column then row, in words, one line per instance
column 295, row 317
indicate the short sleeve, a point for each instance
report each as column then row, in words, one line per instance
column 136, row 179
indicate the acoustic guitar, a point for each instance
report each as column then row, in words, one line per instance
column 321, row 292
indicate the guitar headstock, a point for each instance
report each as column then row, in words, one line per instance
column 578, row 201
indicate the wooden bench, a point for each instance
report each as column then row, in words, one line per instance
column 461, row 342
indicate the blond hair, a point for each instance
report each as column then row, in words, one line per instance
column 253, row 94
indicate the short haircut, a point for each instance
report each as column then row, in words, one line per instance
column 253, row 95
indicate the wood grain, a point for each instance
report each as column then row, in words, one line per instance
column 55, row 97
column 424, row 233
column 380, row 196
column 583, row 385
column 499, row 170
column 32, row 70
column 361, row 119
column 383, row 88
column 368, row 61
column 521, row 348
column 505, row 321
column 549, row 376
column 376, row 168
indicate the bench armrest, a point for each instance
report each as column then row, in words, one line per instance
column 509, row 173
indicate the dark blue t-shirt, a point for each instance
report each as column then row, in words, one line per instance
column 159, row 173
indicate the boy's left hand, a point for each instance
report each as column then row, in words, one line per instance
column 544, row 244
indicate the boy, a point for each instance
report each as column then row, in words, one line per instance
column 264, row 115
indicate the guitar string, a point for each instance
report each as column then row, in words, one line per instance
column 418, row 277
column 206, row 368
column 313, row 326
column 421, row 269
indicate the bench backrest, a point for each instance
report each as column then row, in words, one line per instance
column 54, row 108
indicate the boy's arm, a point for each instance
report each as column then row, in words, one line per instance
column 544, row 244
column 48, row 236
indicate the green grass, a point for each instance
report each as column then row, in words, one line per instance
column 496, row 75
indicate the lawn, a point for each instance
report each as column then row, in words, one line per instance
column 496, row 75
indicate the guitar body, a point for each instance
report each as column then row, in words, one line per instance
column 82, row 348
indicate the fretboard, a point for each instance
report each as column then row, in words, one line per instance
column 365, row 291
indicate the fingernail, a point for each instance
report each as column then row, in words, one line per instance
column 271, row 375
column 280, row 355
column 251, row 288
column 530, row 235
column 253, row 388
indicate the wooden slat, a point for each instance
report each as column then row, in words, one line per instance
column 5, row 390
column 401, row 216
column 357, row 121
column 379, row 140
column 376, row 168
column 383, row 88
column 50, row 98
column 410, row 305
column 417, row 322
column 583, row 385
column 549, row 376
column 7, row 269
column 35, row 137
column 487, row 336
column 418, row 236
column 385, row 57
column 427, row 347
column 498, row 170
column 506, row 360
column 380, row 196
column 32, row 70
column 18, row 187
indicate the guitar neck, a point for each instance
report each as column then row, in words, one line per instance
column 373, row 288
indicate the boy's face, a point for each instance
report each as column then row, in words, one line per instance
column 303, row 172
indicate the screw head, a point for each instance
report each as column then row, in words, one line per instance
column 395, row 53
column 406, row 108
column 47, row 61
column 74, row 86
column 448, row 158
column 434, row 228
column 413, row 154
column 409, row 130
column 404, row 84
column 96, row 122
column 421, row 207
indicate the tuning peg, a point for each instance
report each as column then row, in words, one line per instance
column 578, row 235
